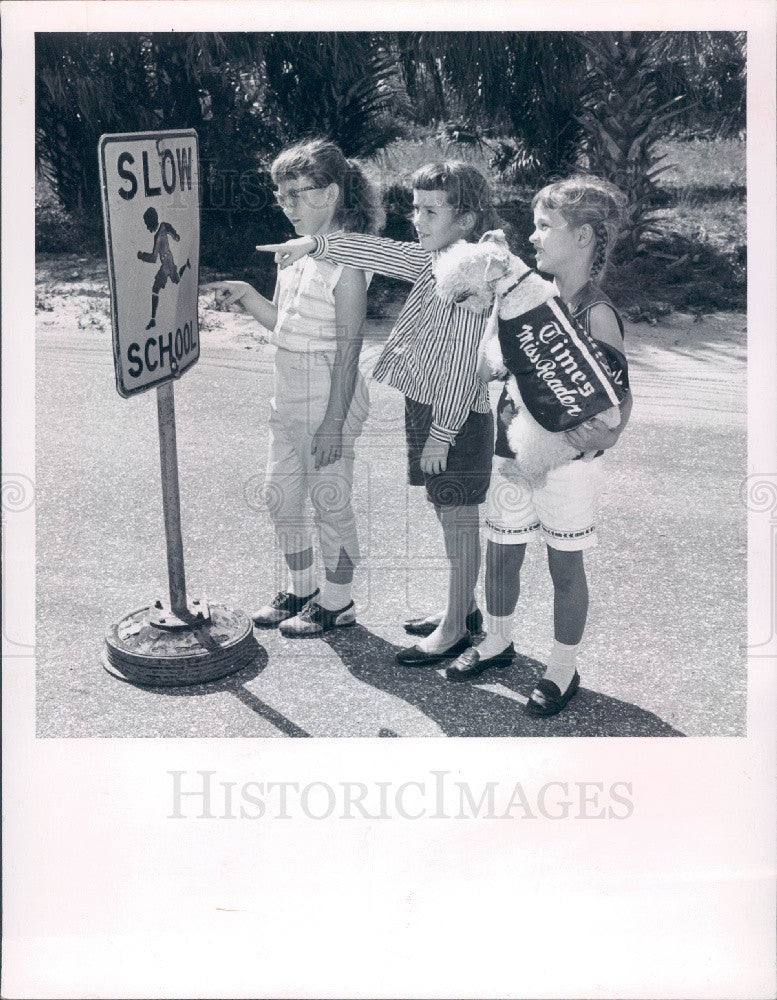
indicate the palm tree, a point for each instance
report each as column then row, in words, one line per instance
column 523, row 84
column 623, row 119
column 89, row 84
column 342, row 85
column 246, row 94
column 709, row 68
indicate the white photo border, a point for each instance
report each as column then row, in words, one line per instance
column 107, row 895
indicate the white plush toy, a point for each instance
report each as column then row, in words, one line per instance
column 531, row 337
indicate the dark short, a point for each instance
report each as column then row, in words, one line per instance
column 468, row 473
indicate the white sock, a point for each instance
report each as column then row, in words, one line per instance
column 303, row 581
column 499, row 633
column 562, row 664
column 334, row 596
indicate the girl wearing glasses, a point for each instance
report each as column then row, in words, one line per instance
column 320, row 398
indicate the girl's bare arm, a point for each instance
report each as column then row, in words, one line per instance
column 594, row 434
column 228, row 292
column 350, row 309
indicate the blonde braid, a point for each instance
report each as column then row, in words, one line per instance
column 601, row 253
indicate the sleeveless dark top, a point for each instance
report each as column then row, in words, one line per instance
column 590, row 295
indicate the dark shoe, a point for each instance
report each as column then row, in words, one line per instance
column 553, row 700
column 314, row 620
column 282, row 606
column 415, row 657
column 469, row 664
column 425, row 626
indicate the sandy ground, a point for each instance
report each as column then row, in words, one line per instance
column 72, row 296
column 665, row 648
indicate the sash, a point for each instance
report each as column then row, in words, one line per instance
column 562, row 374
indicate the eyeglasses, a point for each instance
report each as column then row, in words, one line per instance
column 292, row 195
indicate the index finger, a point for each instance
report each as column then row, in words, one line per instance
column 272, row 248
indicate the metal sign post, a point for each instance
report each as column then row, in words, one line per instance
column 150, row 193
column 171, row 500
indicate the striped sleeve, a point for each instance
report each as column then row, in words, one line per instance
column 458, row 384
column 405, row 261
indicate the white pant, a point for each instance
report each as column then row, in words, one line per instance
column 302, row 384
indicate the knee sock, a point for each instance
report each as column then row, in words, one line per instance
column 562, row 664
column 302, row 581
column 334, row 596
column 498, row 635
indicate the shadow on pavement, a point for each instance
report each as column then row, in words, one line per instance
column 236, row 684
column 490, row 705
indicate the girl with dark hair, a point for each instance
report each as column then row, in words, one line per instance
column 320, row 398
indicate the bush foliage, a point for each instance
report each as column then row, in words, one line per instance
column 535, row 104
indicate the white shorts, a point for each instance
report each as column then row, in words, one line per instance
column 562, row 511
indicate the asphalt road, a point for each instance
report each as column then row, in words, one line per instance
column 664, row 652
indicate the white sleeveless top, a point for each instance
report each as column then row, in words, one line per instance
column 306, row 306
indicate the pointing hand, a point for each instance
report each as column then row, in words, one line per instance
column 287, row 254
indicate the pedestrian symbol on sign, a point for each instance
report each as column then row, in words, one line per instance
column 161, row 252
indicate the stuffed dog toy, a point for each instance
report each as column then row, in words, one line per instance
column 557, row 377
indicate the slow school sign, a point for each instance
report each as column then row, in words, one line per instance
column 150, row 193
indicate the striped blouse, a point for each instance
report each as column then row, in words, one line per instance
column 431, row 354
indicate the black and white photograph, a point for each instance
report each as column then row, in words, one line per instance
column 368, row 512
column 385, row 395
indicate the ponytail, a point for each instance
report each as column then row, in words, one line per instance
column 359, row 209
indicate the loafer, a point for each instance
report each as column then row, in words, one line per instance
column 315, row 620
column 284, row 605
column 416, row 657
column 553, row 700
column 425, row 626
column 471, row 664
